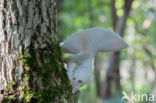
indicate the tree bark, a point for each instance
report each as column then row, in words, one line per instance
column 113, row 72
column 31, row 66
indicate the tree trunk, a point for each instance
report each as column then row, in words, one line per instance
column 97, row 68
column 31, row 67
column 113, row 72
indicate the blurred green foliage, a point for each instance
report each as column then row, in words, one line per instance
column 138, row 63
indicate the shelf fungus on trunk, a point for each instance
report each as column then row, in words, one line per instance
column 84, row 45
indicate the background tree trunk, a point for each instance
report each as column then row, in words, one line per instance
column 31, row 67
column 97, row 67
column 113, row 72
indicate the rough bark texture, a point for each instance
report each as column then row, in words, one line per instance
column 114, row 64
column 31, row 67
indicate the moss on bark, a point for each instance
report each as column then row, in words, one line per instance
column 44, row 80
column 35, row 72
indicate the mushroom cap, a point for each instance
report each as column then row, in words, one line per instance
column 93, row 40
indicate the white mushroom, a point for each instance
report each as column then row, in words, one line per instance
column 84, row 45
